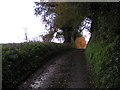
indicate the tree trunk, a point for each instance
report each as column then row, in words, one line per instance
column 67, row 36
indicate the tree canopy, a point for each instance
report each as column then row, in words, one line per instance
column 63, row 16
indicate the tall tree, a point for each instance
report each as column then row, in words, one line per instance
column 62, row 15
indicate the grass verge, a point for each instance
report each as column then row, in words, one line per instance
column 104, row 61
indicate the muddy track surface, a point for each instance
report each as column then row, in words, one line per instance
column 66, row 70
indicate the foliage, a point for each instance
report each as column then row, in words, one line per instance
column 80, row 42
column 103, row 49
column 19, row 61
column 62, row 15
column 103, row 52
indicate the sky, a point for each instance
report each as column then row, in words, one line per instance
column 16, row 18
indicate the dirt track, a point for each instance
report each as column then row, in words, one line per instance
column 68, row 70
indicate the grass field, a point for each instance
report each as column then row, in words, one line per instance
column 19, row 61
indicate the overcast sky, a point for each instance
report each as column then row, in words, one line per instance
column 16, row 16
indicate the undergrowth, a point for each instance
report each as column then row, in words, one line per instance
column 103, row 50
column 104, row 64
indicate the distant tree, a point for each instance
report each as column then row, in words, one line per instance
column 26, row 37
column 48, row 37
column 80, row 42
